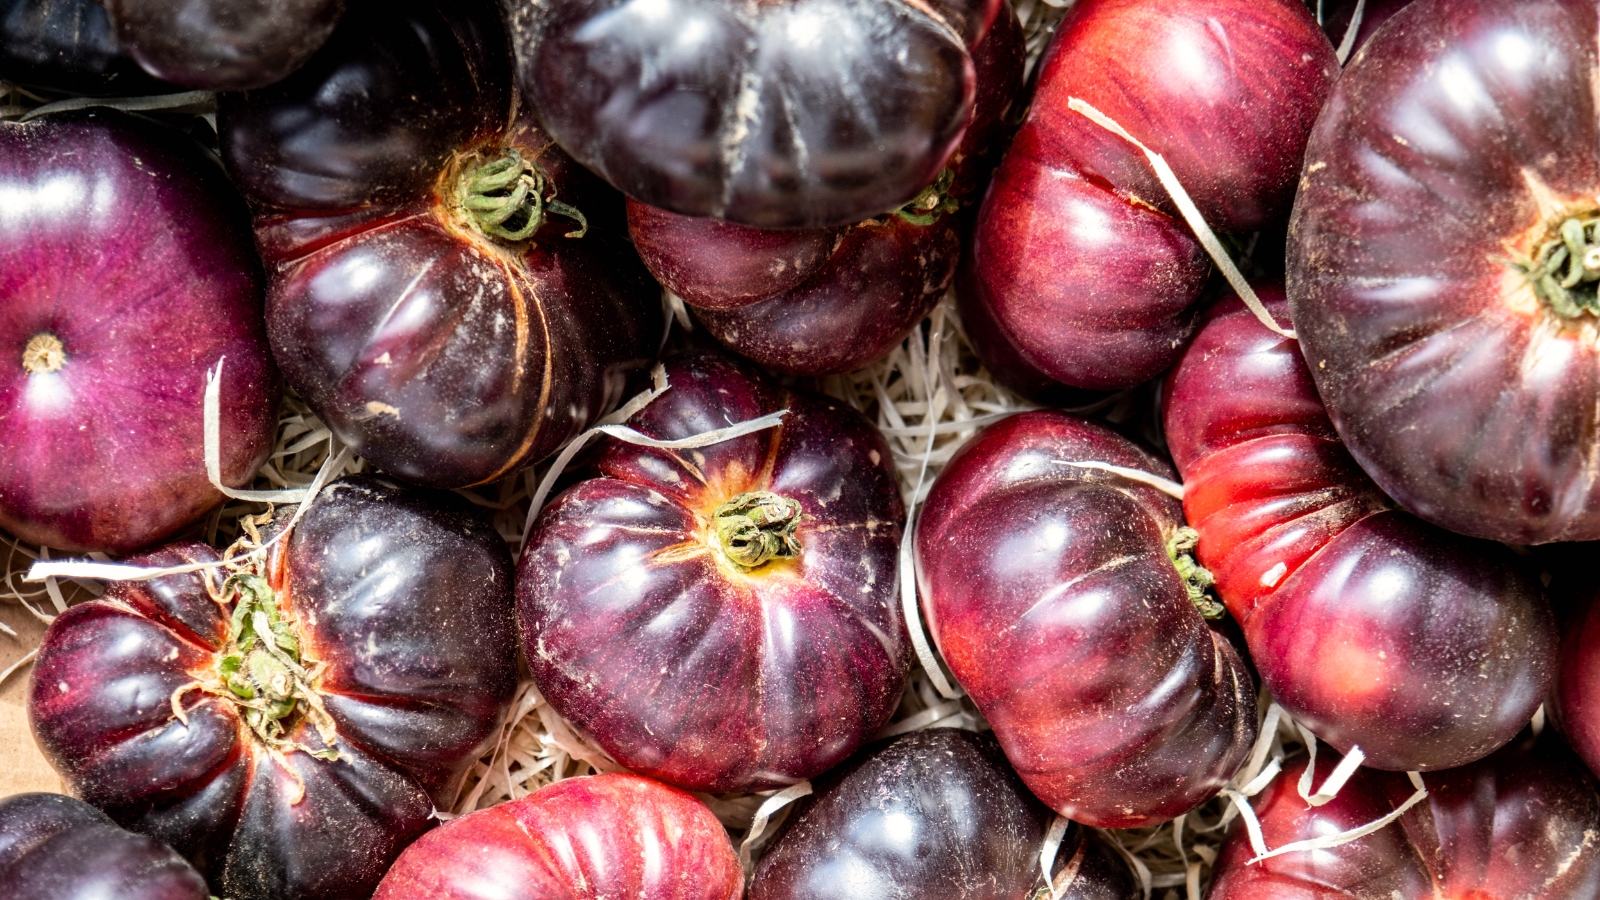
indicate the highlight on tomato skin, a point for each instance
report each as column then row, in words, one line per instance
column 58, row 848
column 591, row 838
column 724, row 617
column 935, row 813
column 300, row 767
column 1520, row 823
column 1057, row 595
column 1425, row 648
column 127, row 270
column 447, row 289
column 223, row 45
column 1447, row 198
column 1080, row 258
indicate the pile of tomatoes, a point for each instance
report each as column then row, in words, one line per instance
column 1359, row 289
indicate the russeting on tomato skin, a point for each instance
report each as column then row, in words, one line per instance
column 793, row 114
column 394, row 605
column 223, row 45
column 1425, row 648
column 1080, row 257
column 127, row 271
column 593, row 838
column 449, row 345
column 58, row 848
column 1522, row 823
column 1053, row 592
column 723, row 618
column 932, row 815
column 1427, row 264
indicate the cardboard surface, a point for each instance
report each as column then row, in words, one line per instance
column 22, row 767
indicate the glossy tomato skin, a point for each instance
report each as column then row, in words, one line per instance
column 446, row 356
column 1576, row 699
column 798, row 114
column 590, row 838
column 1521, row 823
column 684, row 666
column 932, row 814
column 1424, row 648
column 126, row 272
column 403, row 594
column 1082, row 258
column 1374, row 14
column 58, row 848
column 1463, row 395
column 67, row 45
column 223, row 45
column 882, row 279
column 1051, row 594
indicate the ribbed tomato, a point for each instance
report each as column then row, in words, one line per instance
column 1425, row 648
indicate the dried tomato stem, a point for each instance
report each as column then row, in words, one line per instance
column 510, row 198
column 757, row 527
column 1565, row 272
column 44, row 354
column 1197, row 579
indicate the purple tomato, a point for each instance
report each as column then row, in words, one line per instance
column 723, row 618
column 57, row 848
column 437, row 293
column 1523, row 823
column 933, row 815
column 1439, row 265
column 223, row 45
column 126, row 272
column 1064, row 600
column 290, row 730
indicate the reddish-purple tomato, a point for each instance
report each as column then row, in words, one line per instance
column 723, row 618
column 1522, row 824
column 1440, row 272
column 430, row 295
column 934, row 815
column 57, row 848
column 1080, row 257
column 604, row 837
column 67, row 45
column 1054, row 592
column 127, row 271
column 787, row 114
column 299, row 768
column 1577, row 687
column 1424, row 648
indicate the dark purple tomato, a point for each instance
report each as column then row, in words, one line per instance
column 1374, row 629
column 788, row 114
column 302, row 765
column 882, row 279
column 223, row 45
column 723, row 618
column 57, row 848
column 1437, row 266
column 434, row 292
column 933, row 815
column 1055, row 594
column 1082, row 261
column 1577, row 687
column 126, row 272
column 604, row 837
column 1523, row 824
column 67, row 45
